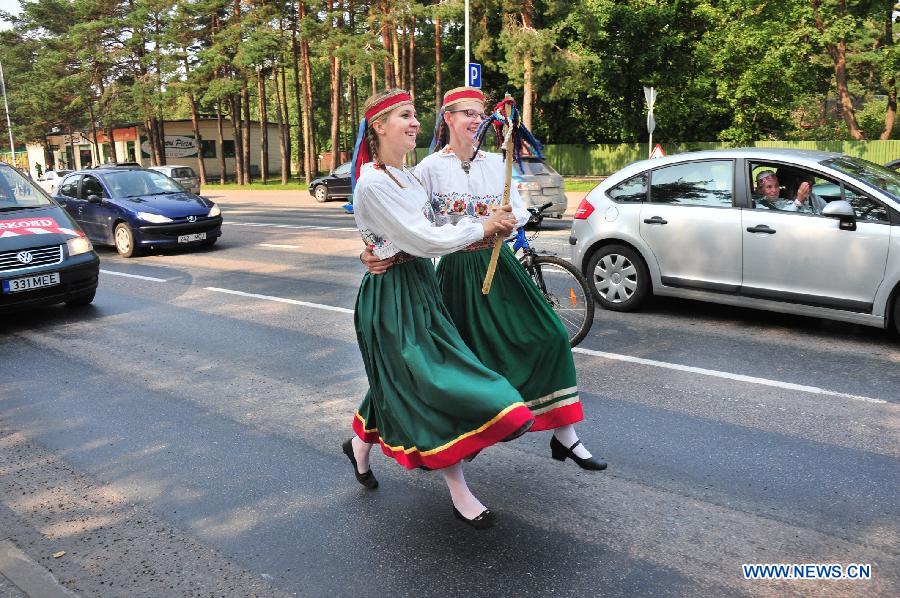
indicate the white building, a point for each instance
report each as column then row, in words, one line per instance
column 76, row 151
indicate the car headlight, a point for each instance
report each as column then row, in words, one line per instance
column 78, row 245
column 155, row 218
column 524, row 186
column 215, row 211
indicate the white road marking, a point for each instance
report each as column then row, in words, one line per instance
column 291, row 226
column 727, row 375
column 342, row 310
column 276, row 246
column 614, row 356
column 150, row 278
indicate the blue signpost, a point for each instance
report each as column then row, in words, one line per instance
column 474, row 75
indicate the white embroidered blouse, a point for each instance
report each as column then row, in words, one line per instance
column 391, row 219
column 456, row 196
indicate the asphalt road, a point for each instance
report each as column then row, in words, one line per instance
column 209, row 392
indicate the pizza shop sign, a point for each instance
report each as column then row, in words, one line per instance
column 177, row 146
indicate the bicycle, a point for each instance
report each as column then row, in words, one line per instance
column 564, row 287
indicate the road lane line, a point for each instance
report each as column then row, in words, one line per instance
column 342, row 310
column 276, row 246
column 150, row 278
column 602, row 354
column 727, row 375
column 292, row 226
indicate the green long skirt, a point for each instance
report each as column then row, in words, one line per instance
column 513, row 331
column 430, row 401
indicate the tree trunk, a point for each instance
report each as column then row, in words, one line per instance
column 198, row 139
column 438, row 95
column 374, row 77
column 527, row 91
column 402, row 67
column 283, row 131
column 221, row 132
column 335, row 112
column 838, row 54
column 299, row 96
column 245, row 97
column 236, row 134
column 112, row 145
column 93, row 136
column 890, row 112
column 386, row 42
column 263, row 128
column 287, row 122
column 412, row 59
column 151, row 139
column 395, row 43
column 309, row 150
column 354, row 107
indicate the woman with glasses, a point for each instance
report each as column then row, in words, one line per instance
column 512, row 330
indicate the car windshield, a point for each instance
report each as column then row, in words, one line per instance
column 132, row 183
column 17, row 192
column 868, row 172
column 182, row 173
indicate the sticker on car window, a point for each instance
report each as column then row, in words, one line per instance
column 33, row 226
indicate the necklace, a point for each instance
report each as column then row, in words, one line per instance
column 466, row 165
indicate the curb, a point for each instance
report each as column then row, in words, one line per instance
column 34, row 580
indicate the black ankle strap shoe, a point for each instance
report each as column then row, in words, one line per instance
column 561, row 453
column 366, row 479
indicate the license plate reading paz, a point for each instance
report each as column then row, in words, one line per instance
column 190, row 238
column 30, row 282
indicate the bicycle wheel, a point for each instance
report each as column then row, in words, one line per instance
column 567, row 291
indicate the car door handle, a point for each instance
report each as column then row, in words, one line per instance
column 655, row 220
column 761, row 228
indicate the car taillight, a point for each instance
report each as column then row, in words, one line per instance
column 585, row 209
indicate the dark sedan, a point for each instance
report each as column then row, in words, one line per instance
column 135, row 208
column 334, row 185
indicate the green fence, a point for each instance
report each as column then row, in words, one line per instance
column 600, row 160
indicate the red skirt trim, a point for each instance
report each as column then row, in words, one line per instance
column 561, row 416
column 502, row 426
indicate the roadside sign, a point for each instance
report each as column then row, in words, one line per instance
column 474, row 75
column 657, row 152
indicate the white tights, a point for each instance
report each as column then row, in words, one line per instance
column 567, row 436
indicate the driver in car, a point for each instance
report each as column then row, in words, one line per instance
column 768, row 187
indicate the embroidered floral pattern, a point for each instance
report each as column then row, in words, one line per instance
column 379, row 244
column 464, row 204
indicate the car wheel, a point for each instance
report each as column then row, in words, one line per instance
column 82, row 300
column 321, row 194
column 896, row 313
column 124, row 240
column 619, row 278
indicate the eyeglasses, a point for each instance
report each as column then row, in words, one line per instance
column 471, row 113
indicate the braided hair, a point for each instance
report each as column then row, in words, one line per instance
column 371, row 137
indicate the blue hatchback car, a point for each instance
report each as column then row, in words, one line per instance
column 136, row 208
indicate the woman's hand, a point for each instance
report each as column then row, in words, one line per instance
column 373, row 263
column 500, row 222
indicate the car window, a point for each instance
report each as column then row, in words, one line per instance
column 630, row 190
column 536, row 167
column 343, row 169
column 865, row 207
column 132, row 183
column 708, row 183
column 18, row 192
column 182, row 173
column 91, row 186
column 69, row 186
column 868, row 172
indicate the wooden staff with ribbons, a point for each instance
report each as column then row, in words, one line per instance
column 507, row 123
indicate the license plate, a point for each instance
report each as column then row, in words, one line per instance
column 191, row 238
column 551, row 191
column 28, row 283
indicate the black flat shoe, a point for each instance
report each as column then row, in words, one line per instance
column 560, row 453
column 366, row 479
column 483, row 521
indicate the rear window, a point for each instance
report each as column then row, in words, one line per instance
column 182, row 173
column 536, row 167
column 18, row 192
column 869, row 173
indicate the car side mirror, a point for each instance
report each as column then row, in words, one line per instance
column 843, row 211
column 94, row 199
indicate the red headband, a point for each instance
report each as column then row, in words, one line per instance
column 461, row 94
column 401, row 97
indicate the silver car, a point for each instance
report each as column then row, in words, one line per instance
column 183, row 175
column 697, row 226
column 538, row 185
